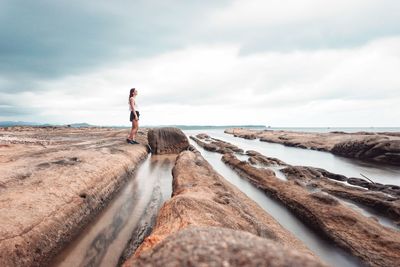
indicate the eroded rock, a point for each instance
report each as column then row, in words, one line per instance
column 215, row 145
column 363, row 237
column 54, row 181
column 378, row 147
column 203, row 198
column 217, row 246
column 384, row 204
column 167, row 140
column 258, row 158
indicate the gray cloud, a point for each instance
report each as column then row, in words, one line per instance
column 284, row 53
column 49, row 39
column 304, row 25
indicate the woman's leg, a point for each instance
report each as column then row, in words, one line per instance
column 130, row 137
column 135, row 126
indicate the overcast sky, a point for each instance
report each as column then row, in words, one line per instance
column 270, row 62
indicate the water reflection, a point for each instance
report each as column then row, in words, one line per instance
column 103, row 241
column 368, row 212
column 327, row 251
column 385, row 174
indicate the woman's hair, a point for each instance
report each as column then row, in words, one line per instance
column 131, row 92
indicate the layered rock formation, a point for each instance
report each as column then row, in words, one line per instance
column 203, row 198
column 167, row 140
column 379, row 246
column 306, row 194
column 257, row 158
column 215, row 145
column 217, row 246
column 386, row 203
column 53, row 181
column 377, row 147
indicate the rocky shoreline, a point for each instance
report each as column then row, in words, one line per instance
column 205, row 202
column 55, row 180
column 377, row 147
column 308, row 194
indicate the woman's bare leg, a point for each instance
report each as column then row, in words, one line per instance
column 130, row 137
column 135, row 126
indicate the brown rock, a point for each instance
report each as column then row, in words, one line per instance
column 375, row 149
column 201, row 197
column 258, row 158
column 217, row 246
column 378, row 147
column 358, row 182
column 384, row 204
column 216, row 145
column 167, row 140
column 53, row 181
column 203, row 136
column 363, row 237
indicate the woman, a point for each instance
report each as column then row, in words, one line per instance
column 134, row 117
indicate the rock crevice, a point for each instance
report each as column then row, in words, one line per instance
column 203, row 198
column 377, row 147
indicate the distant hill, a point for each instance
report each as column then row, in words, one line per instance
column 79, row 125
column 25, row 123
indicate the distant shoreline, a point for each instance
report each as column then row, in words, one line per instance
column 211, row 127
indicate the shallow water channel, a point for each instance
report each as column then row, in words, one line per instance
column 104, row 240
column 102, row 243
column 385, row 174
column 323, row 248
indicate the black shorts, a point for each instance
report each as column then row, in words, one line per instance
column 131, row 117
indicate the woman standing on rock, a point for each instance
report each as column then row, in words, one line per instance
column 134, row 117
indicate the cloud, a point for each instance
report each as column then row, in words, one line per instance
column 44, row 39
column 231, row 62
column 217, row 85
column 300, row 25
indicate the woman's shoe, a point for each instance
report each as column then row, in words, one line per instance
column 133, row 142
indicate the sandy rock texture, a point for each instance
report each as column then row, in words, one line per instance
column 214, row 144
column 363, row 237
column 385, row 201
column 167, row 140
column 217, row 246
column 53, row 181
column 203, row 198
column 377, row 147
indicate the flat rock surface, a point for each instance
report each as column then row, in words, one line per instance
column 377, row 147
column 53, row 180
